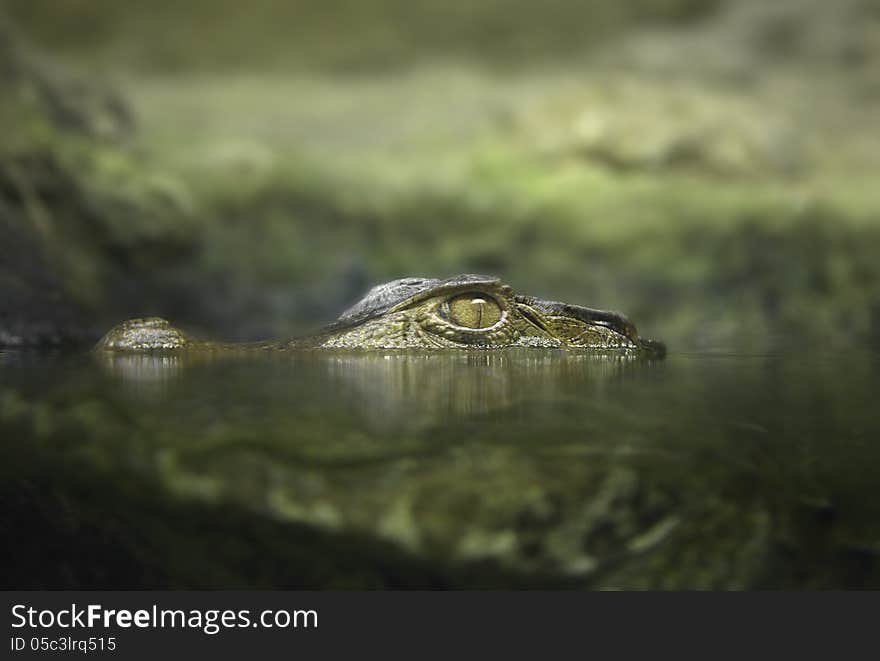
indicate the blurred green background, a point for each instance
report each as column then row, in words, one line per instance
column 248, row 169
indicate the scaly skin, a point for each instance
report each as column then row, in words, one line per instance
column 464, row 312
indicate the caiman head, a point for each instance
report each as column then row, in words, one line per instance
column 475, row 312
column 463, row 312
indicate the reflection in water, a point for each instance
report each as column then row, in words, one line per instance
column 142, row 369
column 397, row 390
column 598, row 471
column 401, row 390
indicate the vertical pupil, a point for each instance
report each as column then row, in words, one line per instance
column 478, row 305
column 474, row 311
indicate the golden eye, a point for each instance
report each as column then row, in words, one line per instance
column 474, row 310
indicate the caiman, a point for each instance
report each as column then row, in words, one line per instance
column 464, row 312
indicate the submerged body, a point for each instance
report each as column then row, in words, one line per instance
column 462, row 312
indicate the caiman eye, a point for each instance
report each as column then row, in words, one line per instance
column 474, row 310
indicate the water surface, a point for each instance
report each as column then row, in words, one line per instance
column 525, row 468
